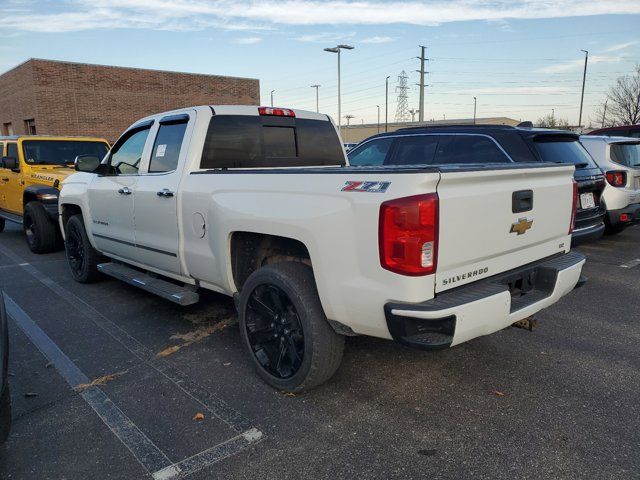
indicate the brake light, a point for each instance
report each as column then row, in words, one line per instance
column 574, row 207
column 408, row 235
column 276, row 112
column 616, row 179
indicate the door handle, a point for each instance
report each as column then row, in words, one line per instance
column 124, row 191
column 165, row 192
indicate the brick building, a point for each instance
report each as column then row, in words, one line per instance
column 64, row 98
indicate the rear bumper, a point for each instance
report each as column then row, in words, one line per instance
column 587, row 234
column 632, row 211
column 483, row 307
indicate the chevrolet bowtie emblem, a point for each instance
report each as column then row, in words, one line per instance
column 521, row 226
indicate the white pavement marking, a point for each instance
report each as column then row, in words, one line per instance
column 142, row 448
column 248, row 434
column 631, row 264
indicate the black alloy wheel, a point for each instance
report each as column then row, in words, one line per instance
column 274, row 331
column 75, row 249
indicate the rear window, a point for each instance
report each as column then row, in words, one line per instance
column 626, row 154
column 465, row 149
column 239, row 141
column 60, row 152
column 560, row 149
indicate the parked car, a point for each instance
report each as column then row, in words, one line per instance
column 491, row 144
column 621, row 131
column 31, row 169
column 5, row 397
column 258, row 203
column 619, row 160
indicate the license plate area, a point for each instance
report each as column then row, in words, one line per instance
column 587, row 201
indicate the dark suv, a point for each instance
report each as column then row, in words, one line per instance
column 490, row 144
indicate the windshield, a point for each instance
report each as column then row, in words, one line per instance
column 627, row 154
column 60, row 152
column 563, row 150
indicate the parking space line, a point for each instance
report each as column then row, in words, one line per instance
column 207, row 399
column 631, row 264
column 142, row 448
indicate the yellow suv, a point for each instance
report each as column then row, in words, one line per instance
column 31, row 170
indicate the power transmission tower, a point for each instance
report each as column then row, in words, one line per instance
column 422, row 73
column 402, row 110
column 348, row 118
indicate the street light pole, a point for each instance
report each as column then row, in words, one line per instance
column 475, row 102
column 584, row 78
column 272, row 97
column 378, row 118
column 386, row 103
column 337, row 49
column 317, row 87
column 604, row 112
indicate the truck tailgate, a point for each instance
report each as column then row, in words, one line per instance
column 494, row 220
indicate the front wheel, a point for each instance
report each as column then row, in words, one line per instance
column 284, row 329
column 82, row 257
column 39, row 228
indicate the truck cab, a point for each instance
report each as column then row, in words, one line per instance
column 32, row 168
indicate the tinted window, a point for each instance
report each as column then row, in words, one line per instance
column 371, row 153
column 12, row 150
column 239, row 141
column 626, row 154
column 563, row 150
column 1, row 149
column 463, row 149
column 58, row 152
column 126, row 155
column 414, row 150
column 634, row 133
column 166, row 150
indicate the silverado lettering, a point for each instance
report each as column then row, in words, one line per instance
column 465, row 276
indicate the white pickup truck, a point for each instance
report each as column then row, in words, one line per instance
column 258, row 203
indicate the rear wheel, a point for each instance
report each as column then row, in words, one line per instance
column 82, row 257
column 39, row 228
column 284, row 329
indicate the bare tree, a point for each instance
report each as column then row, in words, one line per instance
column 551, row 121
column 623, row 102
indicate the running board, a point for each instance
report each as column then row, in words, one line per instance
column 167, row 290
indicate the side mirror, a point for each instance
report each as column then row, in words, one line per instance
column 86, row 163
column 11, row 163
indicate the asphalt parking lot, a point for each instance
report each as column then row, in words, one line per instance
column 173, row 393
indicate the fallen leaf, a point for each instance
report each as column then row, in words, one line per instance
column 98, row 381
column 226, row 364
column 168, row 351
column 289, row 394
column 497, row 393
column 198, row 416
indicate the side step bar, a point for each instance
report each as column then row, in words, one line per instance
column 167, row 290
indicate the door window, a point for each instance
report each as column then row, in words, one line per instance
column 166, row 149
column 465, row 149
column 414, row 150
column 12, row 150
column 371, row 153
column 127, row 153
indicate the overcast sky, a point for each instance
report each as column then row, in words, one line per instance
column 520, row 58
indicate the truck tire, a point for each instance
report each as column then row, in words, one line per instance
column 285, row 330
column 39, row 228
column 82, row 257
column 2, row 222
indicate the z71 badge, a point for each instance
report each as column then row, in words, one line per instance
column 371, row 187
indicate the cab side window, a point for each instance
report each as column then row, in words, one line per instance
column 371, row 153
column 415, row 150
column 127, row 153
column 166, row 149
column 464, row 149
column 12, row 150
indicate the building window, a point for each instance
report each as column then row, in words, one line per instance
column 7, row 129
column 30, row 126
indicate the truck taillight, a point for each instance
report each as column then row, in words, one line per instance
column 616, row 179
column 276, row 112
column 408, row 235
column 574, row 207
